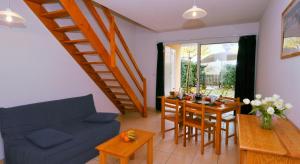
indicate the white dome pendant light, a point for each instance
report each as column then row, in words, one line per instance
column 9, row 17
column 194, row 12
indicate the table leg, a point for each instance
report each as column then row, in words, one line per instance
column 123, row 160
column 218, row 133
column 150, row 151
column 102, row 157
column 132, row 157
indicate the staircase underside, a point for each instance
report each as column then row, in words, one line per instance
column 98, row 63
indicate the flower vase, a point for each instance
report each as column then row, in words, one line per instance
column 266, row 121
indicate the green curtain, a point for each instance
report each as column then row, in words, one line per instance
column 245, row 70
column 160, row 89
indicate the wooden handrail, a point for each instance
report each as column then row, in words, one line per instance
column 110, row 35
column 145, row 97
column 100, row 22
column 130, row 73
column 108, row 14
column 112, row 42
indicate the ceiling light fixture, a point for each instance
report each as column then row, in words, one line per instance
column 194, row 12
column 10, row 17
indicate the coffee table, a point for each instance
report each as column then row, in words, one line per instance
column 124, row 150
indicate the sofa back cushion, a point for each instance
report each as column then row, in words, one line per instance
column 19, row 121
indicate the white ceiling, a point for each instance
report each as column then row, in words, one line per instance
column 166, row 15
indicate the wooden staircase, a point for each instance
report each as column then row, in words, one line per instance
column 108, row 78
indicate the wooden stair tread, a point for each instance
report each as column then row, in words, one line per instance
column 86, row 53
column 119, row 93
column 92, row 63
column 75, row 41
column 109, row 79
column 123, row 99
column 128, row 104
column 56, row 14
column 115, row 87
column 67, row 29
column 103, row 72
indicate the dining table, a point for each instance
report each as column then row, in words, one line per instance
column 218, row 110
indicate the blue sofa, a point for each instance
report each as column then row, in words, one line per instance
column 65, row 115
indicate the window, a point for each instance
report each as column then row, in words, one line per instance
column 209, row 69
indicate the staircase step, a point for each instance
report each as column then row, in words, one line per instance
column 87, row 53
column 56, row 14
column 119, row 93
column 89, row 63
column 127, row 104
column 76, row 41
column 103, row 72
column 67, row 29
column 109, row 79
column 123, row 99
column 115, row 87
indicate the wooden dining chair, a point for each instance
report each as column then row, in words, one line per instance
column 194, row 117
column 170, row 112
column 228, row 118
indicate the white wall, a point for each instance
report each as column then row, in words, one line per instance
column 210, row 34
column 145, row 53
column 273, row 74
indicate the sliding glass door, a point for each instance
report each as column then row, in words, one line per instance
column 207, row 68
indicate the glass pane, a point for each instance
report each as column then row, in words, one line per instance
column 218, row 65
column 188, row 57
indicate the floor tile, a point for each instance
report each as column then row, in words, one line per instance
column 166, row 151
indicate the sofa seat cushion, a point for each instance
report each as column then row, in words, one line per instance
column 47, row 138
column 101, row 117
column 86, row 136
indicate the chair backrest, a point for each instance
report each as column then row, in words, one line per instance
column 169, row 106
column 193, row 110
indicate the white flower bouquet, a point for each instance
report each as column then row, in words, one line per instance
column 268, row 107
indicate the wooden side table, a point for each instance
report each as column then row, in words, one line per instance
column 124, row 150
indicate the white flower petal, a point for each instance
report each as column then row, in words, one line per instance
column 288, row 106
column 275, row 97
column 258, row 96
column 246, row 101
column 271, row 110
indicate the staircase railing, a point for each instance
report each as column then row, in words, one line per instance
column 111, row 35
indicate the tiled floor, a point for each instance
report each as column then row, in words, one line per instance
column 166, row 152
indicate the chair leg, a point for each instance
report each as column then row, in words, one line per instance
column 209, row 130
column 184, row 135
column 163, row 127
column 202, row 141
column 235, row 133
column 214, row 135
column 196, row 134
column 227, row 132
column 209, row 133
column 190, row 133
column 176, row 132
